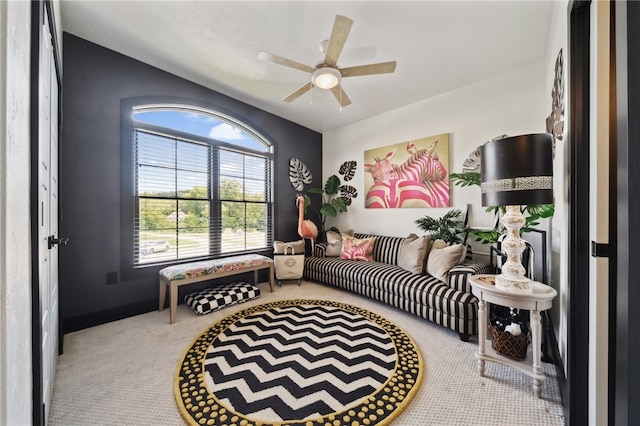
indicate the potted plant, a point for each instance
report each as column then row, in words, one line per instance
column 332, row 202
column 447, row 228
column 335, row 196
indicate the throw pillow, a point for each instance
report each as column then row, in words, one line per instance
column 357, row 249
column 413, row 252
column 440, row 260
column 334, row 244
column 463, row 257
column 438, row 244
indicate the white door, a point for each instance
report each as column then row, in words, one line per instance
column 48, row 216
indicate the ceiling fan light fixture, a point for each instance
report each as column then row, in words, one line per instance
column 326, row 77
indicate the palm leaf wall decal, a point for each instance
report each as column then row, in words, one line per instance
column 348, row 193
column 348, row 170
column 299, row 174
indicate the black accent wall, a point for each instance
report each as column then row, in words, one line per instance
column 95, row 81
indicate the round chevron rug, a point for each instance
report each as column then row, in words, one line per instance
column 298, row 362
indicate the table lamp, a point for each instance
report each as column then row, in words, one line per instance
column 516, row 171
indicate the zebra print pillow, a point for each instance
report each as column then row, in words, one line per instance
column 357, row 249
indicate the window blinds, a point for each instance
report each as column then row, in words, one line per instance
column 197, row 200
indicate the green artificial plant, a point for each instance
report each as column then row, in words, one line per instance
column 446, row 228
column 332, row 200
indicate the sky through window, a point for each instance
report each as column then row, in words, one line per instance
column 201, row 125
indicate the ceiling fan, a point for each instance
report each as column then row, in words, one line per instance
column 327, row 75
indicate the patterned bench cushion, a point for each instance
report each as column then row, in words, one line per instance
column 212, row 299
column 212, row 267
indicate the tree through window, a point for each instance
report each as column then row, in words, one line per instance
column 202, row 185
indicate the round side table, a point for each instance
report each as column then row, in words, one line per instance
column 540, row 300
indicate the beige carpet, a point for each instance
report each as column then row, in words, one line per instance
column 122, row 373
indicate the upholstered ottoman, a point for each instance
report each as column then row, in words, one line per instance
column 212, row 299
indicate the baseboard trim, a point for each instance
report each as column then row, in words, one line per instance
column 92, row 319
column 81, row 322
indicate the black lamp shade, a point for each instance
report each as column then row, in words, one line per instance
column 517, row 170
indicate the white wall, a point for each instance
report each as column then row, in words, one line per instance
column 512, row 103
column 560, row 220
column 15, row 254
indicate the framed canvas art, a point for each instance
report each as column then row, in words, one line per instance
column 408, row 174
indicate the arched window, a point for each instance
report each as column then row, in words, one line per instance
column 202, row 185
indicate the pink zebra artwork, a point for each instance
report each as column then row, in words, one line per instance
column 408, row 174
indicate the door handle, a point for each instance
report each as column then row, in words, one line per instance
column 52, row 241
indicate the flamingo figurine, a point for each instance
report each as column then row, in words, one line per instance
column 306, row 228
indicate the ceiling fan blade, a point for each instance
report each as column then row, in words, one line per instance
column 301, row 91
column 341, row 27
column 266, row 56
column 380, row 68
column 341, row 96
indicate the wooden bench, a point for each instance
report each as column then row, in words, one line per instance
column 189, row 273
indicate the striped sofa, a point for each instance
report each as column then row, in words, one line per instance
column 449, row 304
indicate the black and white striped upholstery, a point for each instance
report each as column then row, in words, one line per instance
column 458, row 275
column 385, row 249
column 451, row 305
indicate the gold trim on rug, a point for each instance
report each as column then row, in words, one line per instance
column 198, row 406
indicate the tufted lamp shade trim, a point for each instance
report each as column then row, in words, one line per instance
column 517, row 170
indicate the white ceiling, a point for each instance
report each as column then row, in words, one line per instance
column 438, row 46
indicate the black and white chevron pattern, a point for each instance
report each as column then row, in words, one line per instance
column 299, row 362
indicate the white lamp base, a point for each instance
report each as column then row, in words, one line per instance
column 520, row 285
column 513, row 274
